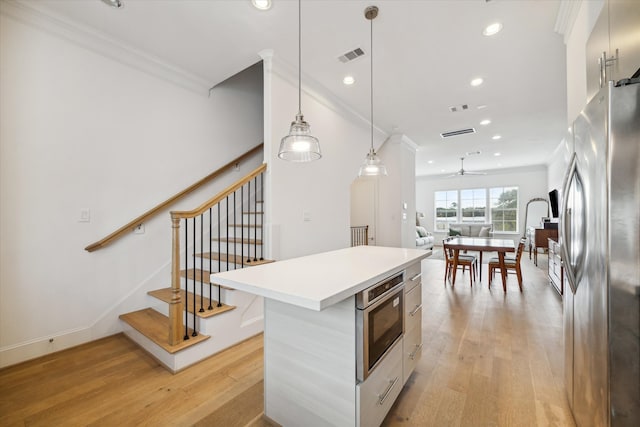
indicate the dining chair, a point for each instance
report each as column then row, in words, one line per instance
column 464, row 261
column 510, row 264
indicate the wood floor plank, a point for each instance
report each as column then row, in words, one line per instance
column 489, row 359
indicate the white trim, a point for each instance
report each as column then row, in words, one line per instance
column 30, row 13
column 41, row 346
column 567, row 14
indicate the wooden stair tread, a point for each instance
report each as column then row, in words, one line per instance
column 166, row 294
column 233, row 259
column 199, row 276
column 155, row 326
column 237, row 240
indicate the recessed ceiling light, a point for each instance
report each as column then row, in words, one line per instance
column 482, row 106
column 476, row 82
column 260, row 4
column 118, row 4
column 497, row 154
column 348, row 80
column 430, row 162
column 492, row 29
column 496, row 137
column 485, row 122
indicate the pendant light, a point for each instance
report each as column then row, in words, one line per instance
column 299, row 145
column 372, row 165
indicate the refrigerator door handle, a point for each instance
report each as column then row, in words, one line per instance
column 572, row 253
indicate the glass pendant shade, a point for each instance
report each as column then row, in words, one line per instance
column 372, row 166
column 299, row 145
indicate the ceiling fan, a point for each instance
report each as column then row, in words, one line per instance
column 463, row 172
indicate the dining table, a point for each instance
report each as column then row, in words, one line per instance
column 482, row 244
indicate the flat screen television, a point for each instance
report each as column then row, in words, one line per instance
column 553, row 201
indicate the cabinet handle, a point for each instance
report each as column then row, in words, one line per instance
column 413, row 355
column 384, row 396
column 417, row 276
column 415, row 310
column 605, row 62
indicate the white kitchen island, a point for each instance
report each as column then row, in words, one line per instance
column 310, row 334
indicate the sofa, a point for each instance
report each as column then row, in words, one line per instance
column 424, row 238
column 471, row 230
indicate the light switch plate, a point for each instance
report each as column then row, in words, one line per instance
column 85, row 215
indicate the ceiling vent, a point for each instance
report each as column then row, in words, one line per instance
column 457, row 132
column 351, row 55
column 456, row 108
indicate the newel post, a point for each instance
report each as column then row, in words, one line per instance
column 175, row 306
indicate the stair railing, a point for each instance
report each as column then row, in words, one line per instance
column 217, row 220
column 131, row 225
column 359, row 235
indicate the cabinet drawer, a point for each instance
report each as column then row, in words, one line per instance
column 412, row 276
column 412, row 350
column 413, row 308
column 377, row 393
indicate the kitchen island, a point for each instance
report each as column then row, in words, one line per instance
column 310, row 334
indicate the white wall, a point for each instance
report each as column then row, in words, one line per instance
column 319, row 189
column 396, row 223
column 81, row 130
column 531, row 181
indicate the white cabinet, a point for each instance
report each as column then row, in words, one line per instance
column 613, row 50
column 375, row 396
column 412, row 345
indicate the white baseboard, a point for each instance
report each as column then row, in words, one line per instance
column 38, row 347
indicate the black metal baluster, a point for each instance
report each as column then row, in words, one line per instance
column 210, row 258
column 219, row 260
column 255, row 219
column 242, row 225
column 262, row 217
column 235, row 233
column 186, row 278
column 201, row 264
column 228, row 236
column 194, row 333
column 248, row 221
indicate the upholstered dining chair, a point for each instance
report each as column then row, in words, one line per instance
column 464, row 261
column 510, row 264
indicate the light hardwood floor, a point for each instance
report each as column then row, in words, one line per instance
column 489, row 359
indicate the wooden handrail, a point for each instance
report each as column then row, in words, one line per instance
column 145, row 216
column 220, row 196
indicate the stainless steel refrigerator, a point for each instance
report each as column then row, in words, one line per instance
column 599, row 230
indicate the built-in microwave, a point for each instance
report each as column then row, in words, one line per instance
column 379, row 322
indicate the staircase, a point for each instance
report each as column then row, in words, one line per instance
column 192, row 318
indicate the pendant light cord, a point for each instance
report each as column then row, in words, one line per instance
column 299, row 59
column 371, row 21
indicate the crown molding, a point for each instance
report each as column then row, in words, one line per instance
column 567, row 14
column 32, row 14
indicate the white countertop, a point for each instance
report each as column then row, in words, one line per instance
column 318, row 281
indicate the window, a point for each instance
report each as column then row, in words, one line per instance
column 498, row 205
column 473, row 204
column 446, row 203
column 504, row 209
